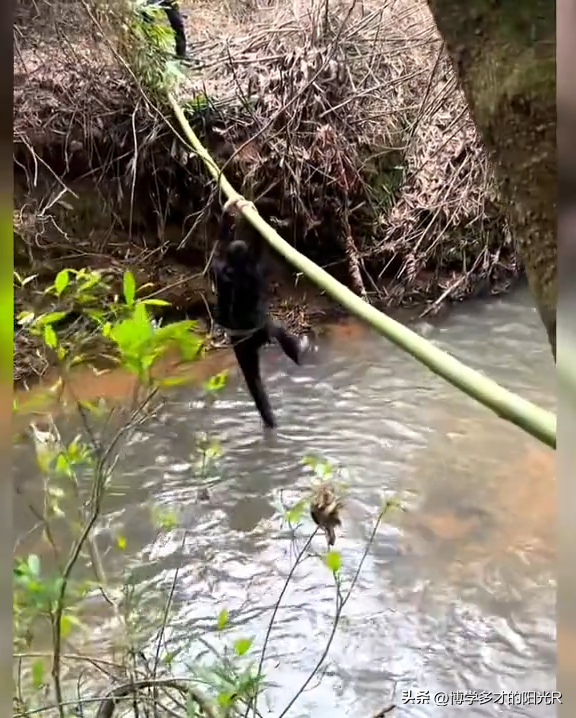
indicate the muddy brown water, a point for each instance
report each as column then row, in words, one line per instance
column 457, row 594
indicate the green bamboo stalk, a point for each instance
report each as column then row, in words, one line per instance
column 531, row 418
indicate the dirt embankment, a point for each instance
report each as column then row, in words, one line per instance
column 347, row 120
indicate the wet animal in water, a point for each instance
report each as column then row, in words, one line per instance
column 241, row 303
column 325, row 509
column 172, row 10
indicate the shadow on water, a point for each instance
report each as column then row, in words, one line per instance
column 457, row 594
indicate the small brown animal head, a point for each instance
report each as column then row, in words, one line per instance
column 325, row 510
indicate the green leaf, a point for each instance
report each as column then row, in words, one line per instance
column 155, row 302
column 222, row 619
column 65, row 626
column 67, row 622
column 132, row 337
column 168, row 659
column 20, row 567
column 217, row 382
column 213, row 450
column 50, row 318
column 191, row 347
column 172, row 381
column 141, row 320
column 34, row 565
column 333, row 561
column 62, row 280
column 91, row 279
column 294, row 514
column 242, row 646
column 38, row 670
column 98, row 407
column 226, row 698
column 50, row 338
column 129, row 287
column 391, row 504
column 121, row 542
column 166, row 519
column 321, row 467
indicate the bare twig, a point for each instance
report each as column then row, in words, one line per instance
column 341, row 602
column 121, row 692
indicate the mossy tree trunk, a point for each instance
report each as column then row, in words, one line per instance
column 505, row 54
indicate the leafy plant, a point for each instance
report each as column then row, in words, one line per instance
column 148, row 45
column 78, row 473
column 52, row 596
column 123, row 330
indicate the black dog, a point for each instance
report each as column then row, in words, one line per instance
column 241, row 303
column 172, row 10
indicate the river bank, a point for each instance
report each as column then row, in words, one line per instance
column 350, row 128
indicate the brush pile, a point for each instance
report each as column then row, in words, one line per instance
column 354, row 122
column 347, row 116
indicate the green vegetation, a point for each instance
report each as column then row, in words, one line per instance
column 51, row 593
column 81, row 311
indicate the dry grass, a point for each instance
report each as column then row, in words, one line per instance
column 347, row 115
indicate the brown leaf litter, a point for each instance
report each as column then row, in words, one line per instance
column 347, row 117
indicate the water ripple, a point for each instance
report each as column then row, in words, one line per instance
column 456, row 594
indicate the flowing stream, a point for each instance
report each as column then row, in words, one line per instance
column 457, row 594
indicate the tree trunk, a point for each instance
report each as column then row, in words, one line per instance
column 504, row 52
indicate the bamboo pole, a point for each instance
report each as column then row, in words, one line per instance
column 531, row 418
